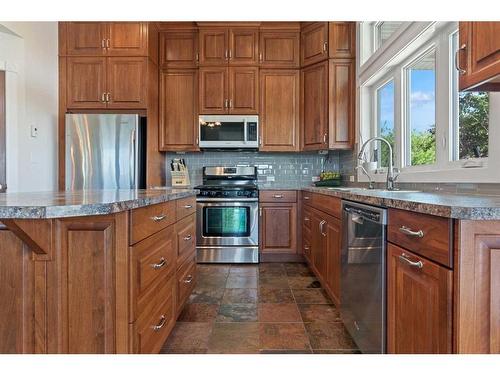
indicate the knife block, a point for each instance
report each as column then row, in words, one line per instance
column 180, row 178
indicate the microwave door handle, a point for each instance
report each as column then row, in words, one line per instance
column 245, row 131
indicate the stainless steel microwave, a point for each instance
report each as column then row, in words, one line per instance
column 231, row 131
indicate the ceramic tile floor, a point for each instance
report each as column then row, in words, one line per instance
column 265, row 308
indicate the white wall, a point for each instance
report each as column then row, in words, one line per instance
column 28, row 53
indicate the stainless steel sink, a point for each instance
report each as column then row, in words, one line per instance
column 361, row 189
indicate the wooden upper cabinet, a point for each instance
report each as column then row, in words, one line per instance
column 243, row 46
column 178, row 110
column 214, row 46
column 479, row 56
column 127, row 39
column 104, row 38
column 419, row 307
column 213, row 90
column 279, row 110
column 86, row 82
column 86, row 38
column 342, row 40
column 243, row 90
column 314, row 43
column 278, row 228
column 314, row 101
column 279, row 49
column 179, row 49
column 126, row 81
column 341, row 107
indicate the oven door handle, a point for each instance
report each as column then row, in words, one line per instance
column 201, row 200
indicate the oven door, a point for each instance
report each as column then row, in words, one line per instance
column 228, row 131
column 227, row 223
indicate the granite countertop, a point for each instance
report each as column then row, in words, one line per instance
column 456, row 206
column 57, row 204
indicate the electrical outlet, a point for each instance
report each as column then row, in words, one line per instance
column 351, row 178
column 33, row 131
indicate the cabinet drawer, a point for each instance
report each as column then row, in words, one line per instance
column 186, row 279
column 306, row 198
column 330, row 205
column 277, row 196
column 185, row 207
column 148, row 220
column 153, row 261
column 306, row 219
column 186, row 238
column 156, row 320
column 427, row 235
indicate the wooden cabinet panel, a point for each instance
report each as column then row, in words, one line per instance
column 333, row 261
column 186, row 238
column 86, row 82
column 243, row 46
column 279, row 110
column 179, row 49
column 342, row 40
column 127, row 38
column 278, row 227
column 243, row 90
column 214, row 46
column 126, row 77
column 213, row 91
column 186, row 280
column 185, row 207
column 179, row 110
column 419, row 309
column 148, row 220
column 328, row 204
column 342, row 96
column 278, row 196
column 279, row 49
column 479, row 55
column 86, row 38
column 314, row 46
column 434, row 240
column 318, row 244
column 314, row 101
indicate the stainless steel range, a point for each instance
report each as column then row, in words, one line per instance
column 228, row 216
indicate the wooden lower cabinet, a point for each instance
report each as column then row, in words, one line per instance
column 278, row 228
column 419, row 304
column 333, row 228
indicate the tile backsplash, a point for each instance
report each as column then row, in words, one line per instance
column 279, row 169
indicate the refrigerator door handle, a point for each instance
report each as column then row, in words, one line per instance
column 133, row 161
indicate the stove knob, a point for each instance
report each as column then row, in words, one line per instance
column 213, row 193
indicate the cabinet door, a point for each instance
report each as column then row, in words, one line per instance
column 86, row 38
column 314, row 101
column 314, row 47
column 178, row 110
column 342, row 40
column 479, row 55
column 126, row 77
column 279, row 110
column 214, row 46
column 333, row 249
column 243, row 46
column 278, row 228
column 318, row 244
column 279, row 49
column 127, row 38
column 244, row 90
column 213, row 91
column 419, row 295
column 179, row 49
column 341, row 81
column 86, row 86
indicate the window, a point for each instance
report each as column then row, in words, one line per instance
column 421, row 110
column 384, row 30
column 385, row 120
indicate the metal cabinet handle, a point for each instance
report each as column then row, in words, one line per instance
column 188, row 238
column 307, row 198
column 278, row 196
column 159, row 217
column 325, row 46
column 260, row 56
column 188, row 206
column 103, row 43
column 405, row 230
column 230, row 103
column 306, row 219
column 260, row 211
column 160, row 264
column 108, row 97
column 307, row 247
column 197, row 57
column 103, row 96
column 324, row 137
column 226, row 54
column 226, row 103
column 404, row 257
column 230, row 54
column 260, row 141
column 160, row 324
column 321, row 226
column 457, row 59
column 188, row 280
column 107, row 43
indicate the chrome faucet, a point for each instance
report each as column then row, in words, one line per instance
column 391, row 177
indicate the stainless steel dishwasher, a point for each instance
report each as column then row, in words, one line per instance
column 363, row 275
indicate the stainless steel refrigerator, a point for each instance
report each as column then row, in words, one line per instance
column 105, row 151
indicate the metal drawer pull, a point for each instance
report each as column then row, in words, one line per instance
column 321, row 224
column 188, row 238
column 405, row 258
column 306, row 198
column 306, row 219
column 159, row 265
column 160, row 324
column 419, row 233
column 306, row 247
column 188, row 206
column 159, row 217
column 188, row 279
column 278, row 196
column 325, row 46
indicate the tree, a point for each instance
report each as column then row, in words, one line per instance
column 474, row 120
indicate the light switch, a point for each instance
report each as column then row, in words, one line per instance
column 34, row 131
